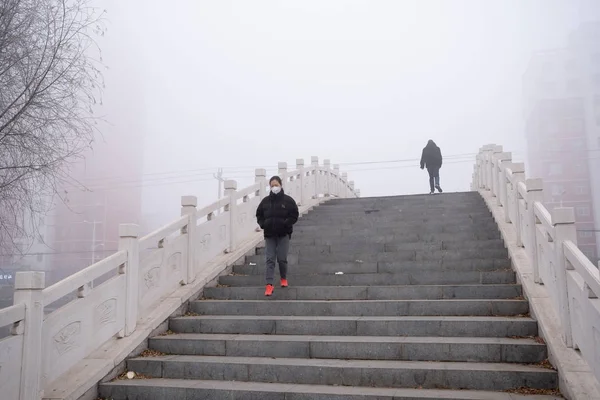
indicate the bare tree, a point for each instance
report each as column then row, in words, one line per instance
column 50, row 80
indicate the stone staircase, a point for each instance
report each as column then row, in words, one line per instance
column 426, row 308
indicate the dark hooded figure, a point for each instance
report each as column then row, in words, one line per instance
column 432, row 160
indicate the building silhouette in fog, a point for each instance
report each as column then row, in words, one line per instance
column 104, row 188
column 107, row 185
column 86, row 225
column 562, row 113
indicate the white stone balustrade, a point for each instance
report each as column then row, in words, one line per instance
column 550, row 242
column 141, row 274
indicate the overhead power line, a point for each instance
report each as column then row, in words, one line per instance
column 110, row 182
column 176, row 179
column 453, row 156
column 404, row 166
column 171, row 182
column 209, row 170
column 175, row 182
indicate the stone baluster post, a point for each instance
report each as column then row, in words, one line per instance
column 481, row 168
column 496, row 151
column 345, row 185
column 518, row 170
column 282, row 171
column 486, row 166
column 314, row 162
column 128, row 241
column 188, row 207
column 337, row 185
column 503, row 160
column 302, row 181
column 260, row 176
column 231, row 208
column 28, row 290
column 476, row 172
column 535, row 194
column 563, row 220
column 327, row 177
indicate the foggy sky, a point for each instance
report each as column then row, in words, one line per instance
column 250, row 83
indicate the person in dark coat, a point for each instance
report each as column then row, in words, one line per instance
column 432, row 160
column 276, row 215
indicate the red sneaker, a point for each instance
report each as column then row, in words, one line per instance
column 269, row 290
column 284, row 283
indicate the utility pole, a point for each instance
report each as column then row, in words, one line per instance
column 93, row 223
column 561, row 197
column 219, row 177
column 93, row 244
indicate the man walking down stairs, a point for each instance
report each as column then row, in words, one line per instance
column 389, row 298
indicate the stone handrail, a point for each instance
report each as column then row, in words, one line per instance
column 550, row 240
column 141, row 274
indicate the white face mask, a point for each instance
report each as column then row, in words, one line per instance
column 276, row 189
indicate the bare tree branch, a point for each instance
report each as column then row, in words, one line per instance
column 50, row 80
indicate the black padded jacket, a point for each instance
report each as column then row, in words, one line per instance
column 277, row 214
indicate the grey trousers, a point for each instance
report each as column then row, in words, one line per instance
column 277, row 250
column 434, row 177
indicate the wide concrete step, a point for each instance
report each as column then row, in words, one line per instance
column 401, row 216
column 424, row 292
column 392, row 256
column 257, row 267
column 361, row 267
column 408, row 212
column 421, row 200
column 471, row 213
column 365, row 237
column 366, row 373
column 434, row 203
column 297, row 248
column 454, row 349
column 341, row 230
column 405, row 278
column 161, row 389
column 446, row 200
column 443, row 201
column 332, row 228
column 358, row 326
column 487, row 307
column 398, row 219
column 381, row 208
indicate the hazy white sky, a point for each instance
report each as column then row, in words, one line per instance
column 250, row 83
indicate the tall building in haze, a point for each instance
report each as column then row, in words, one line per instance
column 108, row 191
column 562, row 112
